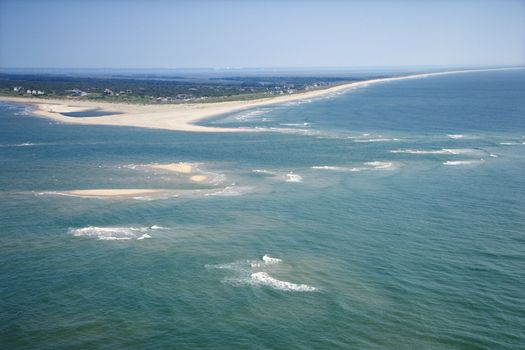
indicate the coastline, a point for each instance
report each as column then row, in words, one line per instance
column 184, row 116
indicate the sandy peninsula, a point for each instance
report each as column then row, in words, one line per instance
column 182, row 117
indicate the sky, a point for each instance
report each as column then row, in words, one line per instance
column 270, row 33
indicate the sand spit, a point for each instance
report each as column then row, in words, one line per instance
column 181, row 117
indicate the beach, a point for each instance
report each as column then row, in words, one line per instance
column 395, row 215
column 182, row 117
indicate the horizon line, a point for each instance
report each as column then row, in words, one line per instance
column 270, row 67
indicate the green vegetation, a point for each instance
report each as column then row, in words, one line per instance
column 146, row 90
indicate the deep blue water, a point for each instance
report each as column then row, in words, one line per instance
column 397, row 213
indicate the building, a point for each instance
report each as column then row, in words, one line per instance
column 108, row 92
column 76, row 92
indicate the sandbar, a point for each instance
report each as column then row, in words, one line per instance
column 182, row 117
column 199, row 178
column 183, row 168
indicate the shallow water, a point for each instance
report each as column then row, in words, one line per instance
column 388, row 217
column 89, row 113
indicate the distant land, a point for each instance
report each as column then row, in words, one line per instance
column 175, row 86
column 148, row 88
column 103, row 106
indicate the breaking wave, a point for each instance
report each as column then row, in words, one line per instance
column 375, row 165
column 291, row 177
column 464, row 162
column 263, row 171
column 263, row 278
column 114, row 233
column 380, row 139
column 452, row 151
column 246, row 116
column 26, row 144
column 231, row 190
column 456, row 136
column 296, row 124
column 255, row 273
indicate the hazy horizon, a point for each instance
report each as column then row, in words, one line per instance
column 160, row 34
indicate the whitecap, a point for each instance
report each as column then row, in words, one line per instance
column 229, row 191
column 245, row 274
column 291, row 177
column 453, row 151
column 112, row 233
column 328, row 167
column 380, row 165
column 263, row 171
column 374, row 165
column 23, row 144
column 269, row 260
column 338, row 168
column 296, row 131
column 296, row 103
column 456, row 136
column 295, row 124
column 463, row 162
column 264, row 279
column 249, row 115
column 377, row 140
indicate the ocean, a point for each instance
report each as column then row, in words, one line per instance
column 387, row 217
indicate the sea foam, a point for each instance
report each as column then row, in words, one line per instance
column 373, row 165
column 246, row 116
column 265, row 260
column 452, row 151
column 379, row 139
column 456, row 136
column 263, row 278
column 291, row 177
column 255, row 273
column 269, row 260
column 464, row 162
column 113, row 233
column 380, row 165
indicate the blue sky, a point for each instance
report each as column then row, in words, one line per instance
column 285, row 33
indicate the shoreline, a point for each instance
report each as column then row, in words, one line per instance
column 184, row 116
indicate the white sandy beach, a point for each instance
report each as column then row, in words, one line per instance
column 182, row 117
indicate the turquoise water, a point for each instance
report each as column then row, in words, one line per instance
column 388, row 217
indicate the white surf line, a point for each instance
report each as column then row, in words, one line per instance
column 183, row 117
column 350, row 86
